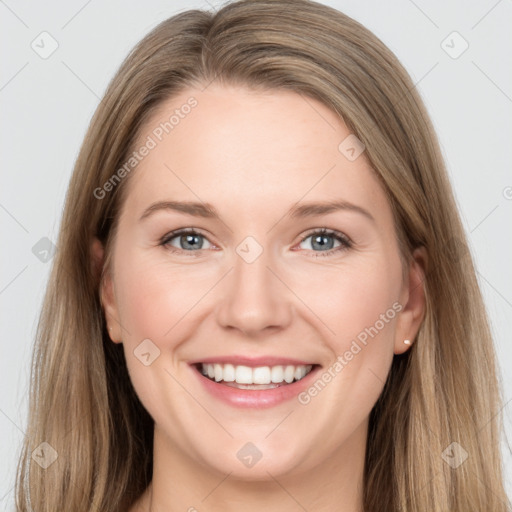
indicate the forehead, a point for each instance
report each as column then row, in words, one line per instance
column 233, row 146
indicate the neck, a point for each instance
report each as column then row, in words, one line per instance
column 181, row 483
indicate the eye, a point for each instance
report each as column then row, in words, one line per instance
column 184, row 240
column 323, row 239
column 189, row 240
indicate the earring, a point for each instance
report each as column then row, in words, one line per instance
column 407, row 342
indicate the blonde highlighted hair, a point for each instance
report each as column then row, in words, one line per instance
column 444, row 390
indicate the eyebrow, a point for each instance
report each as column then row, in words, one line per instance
column 206, row 210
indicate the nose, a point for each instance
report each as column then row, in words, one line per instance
column 255, row 299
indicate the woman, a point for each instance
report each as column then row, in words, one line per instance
column 263, row 294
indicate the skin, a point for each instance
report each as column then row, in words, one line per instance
column 253, row 156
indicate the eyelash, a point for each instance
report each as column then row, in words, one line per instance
column 346, row 243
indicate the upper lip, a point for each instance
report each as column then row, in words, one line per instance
column 252, row 361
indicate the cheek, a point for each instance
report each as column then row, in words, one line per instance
column 360, row 306
column 367, row 312
column 352, row 300
column 152, row 298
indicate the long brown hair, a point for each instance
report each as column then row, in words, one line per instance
column 443, row 390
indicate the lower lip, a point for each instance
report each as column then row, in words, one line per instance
column 255, row 398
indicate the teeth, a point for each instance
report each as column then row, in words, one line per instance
column 228, row 373
column 288, row 373
column 243, row 375
column 277, row 374
column 217, row 372
column 261, row 375
column 258, row 375
column 300, row 372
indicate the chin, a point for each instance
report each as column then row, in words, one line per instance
column 250, row 463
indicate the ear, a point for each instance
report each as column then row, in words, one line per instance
column 107, row 294
column 413, row 301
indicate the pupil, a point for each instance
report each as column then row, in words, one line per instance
column 321, row 240
column 189, row 239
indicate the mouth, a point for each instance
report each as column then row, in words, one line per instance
column 254, row 377
column 254, row 382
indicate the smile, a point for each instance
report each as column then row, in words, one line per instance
column 259, row 377
column 254, row 385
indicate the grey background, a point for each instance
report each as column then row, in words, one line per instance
column 46, row 105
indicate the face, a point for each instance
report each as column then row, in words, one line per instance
column 261, row 279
